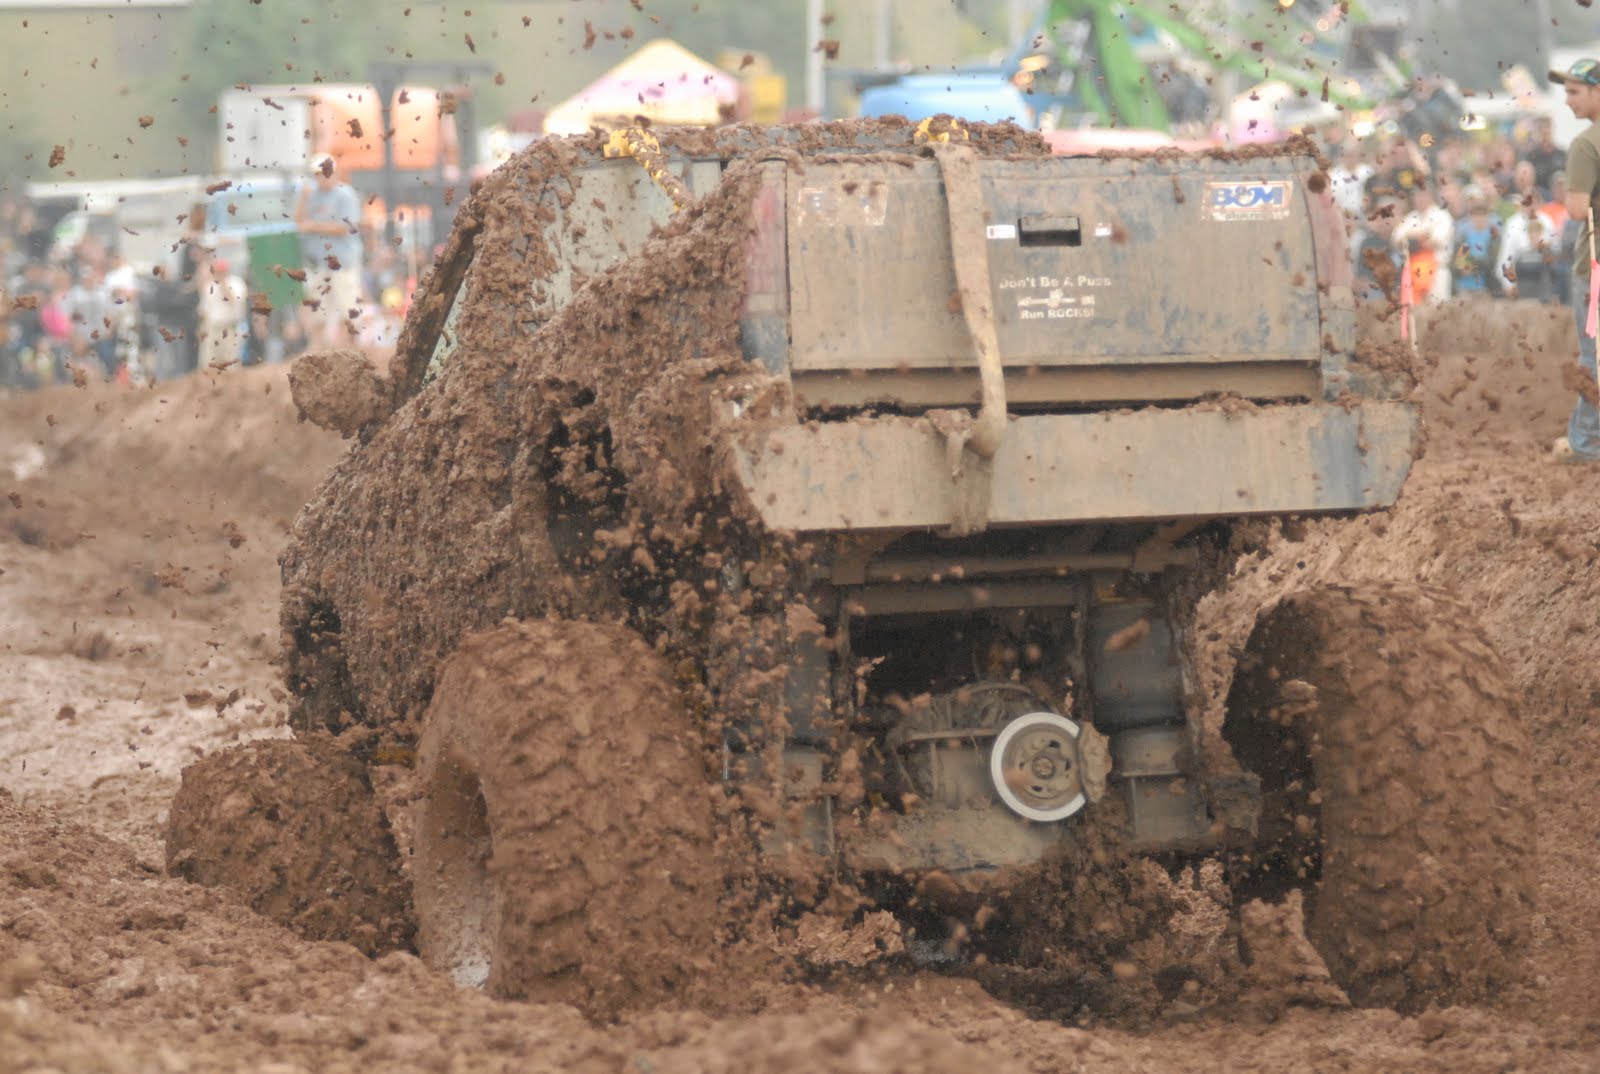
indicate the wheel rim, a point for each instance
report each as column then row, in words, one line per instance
column 1036, row 768
column 459, row 913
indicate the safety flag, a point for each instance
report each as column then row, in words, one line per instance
column 1592, row 328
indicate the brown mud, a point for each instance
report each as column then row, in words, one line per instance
column 138, row 609
column 138, row 543
column 294, row 829
column 341, row 391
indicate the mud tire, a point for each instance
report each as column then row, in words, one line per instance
column 563, row 841
column 293, row 828
column 1421, row 824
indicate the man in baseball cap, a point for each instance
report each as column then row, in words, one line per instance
column 1582, row 83
column 328, row 216
column 1585, row 72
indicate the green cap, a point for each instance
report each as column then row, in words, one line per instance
column 1584, row 72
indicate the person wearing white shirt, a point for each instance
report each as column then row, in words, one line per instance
column 89, row 307
column 123, row 284
column 1348, row 179
column 1528, row 250
column 222, row 310
column 1427, row 231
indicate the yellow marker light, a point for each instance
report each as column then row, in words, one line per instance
column 924, row 132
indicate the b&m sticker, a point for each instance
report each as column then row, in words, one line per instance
column 1263, row 200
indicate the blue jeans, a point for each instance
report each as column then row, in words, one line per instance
column 1583, row 428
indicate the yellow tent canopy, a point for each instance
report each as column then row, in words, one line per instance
column 663, row 81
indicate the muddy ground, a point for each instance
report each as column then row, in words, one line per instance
column 139, row 532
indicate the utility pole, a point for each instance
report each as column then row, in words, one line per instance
column 1226, row 86
column 816, row 92
column 1019, row 18
column 883, row 39
column 1541, row 11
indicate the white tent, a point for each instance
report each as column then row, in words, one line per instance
column 663, row 81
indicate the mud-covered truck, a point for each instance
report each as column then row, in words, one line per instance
column 755, row 515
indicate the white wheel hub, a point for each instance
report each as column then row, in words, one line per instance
column 1037, row 768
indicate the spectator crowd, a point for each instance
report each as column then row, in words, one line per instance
column 1435, row 217
column 77, row 310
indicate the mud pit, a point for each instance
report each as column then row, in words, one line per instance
column 138, row 610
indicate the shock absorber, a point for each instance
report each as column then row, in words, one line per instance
column 1136, row 685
